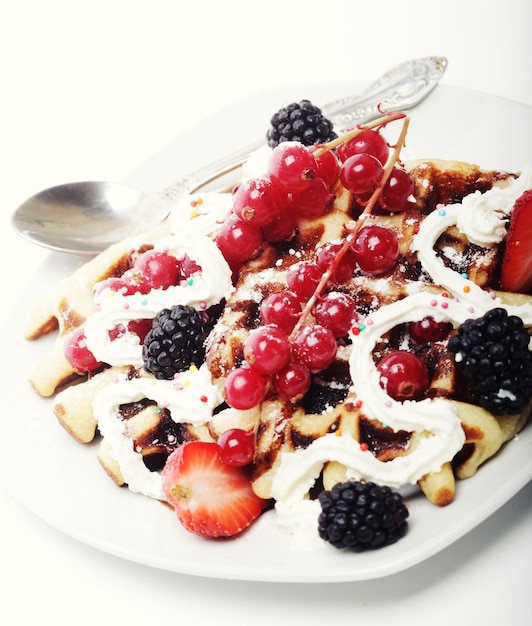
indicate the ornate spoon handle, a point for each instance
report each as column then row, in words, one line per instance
column 400, row 88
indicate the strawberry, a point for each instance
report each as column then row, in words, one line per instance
column 516, row 271
column 210, row 498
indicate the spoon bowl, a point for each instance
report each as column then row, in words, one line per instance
column 84, row 217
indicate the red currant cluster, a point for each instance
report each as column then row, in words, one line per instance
column 285, row 350
column 296, row 185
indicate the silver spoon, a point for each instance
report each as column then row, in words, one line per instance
column 86, row 217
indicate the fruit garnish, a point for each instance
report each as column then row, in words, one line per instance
column 174, row 342
column 300, row 121
column 237, row 446
column 403, row 375
column 210, row 497
column 492, row 352
column 516, row 271
column 362, row 516
column 78, row 354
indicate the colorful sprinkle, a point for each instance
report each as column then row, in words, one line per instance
column 433, row 303
column 125, row 305
column 204, row 399
column 444, row 305
column 466, row 289
column 364, row 447
column 358, row 404
column 442, row 212
column 190, row 281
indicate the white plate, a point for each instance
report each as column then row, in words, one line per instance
column 61, row 480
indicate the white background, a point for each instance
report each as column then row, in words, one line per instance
column 89, row 90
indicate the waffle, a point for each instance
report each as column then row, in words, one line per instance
column 332, row 408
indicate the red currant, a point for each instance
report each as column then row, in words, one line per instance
column 292, row 166
column 376, row 249
column 361, row 173
column 428, row 330
column 237, row 240
column 302, row 278
column 159, row 269
column 257, row 201
column 403, row 375
column 140, row 328
column 326, row 255
column 314, row 346
column 328, row 166
column 398, row 191
column 336, row 311
column 282, row 228
column 312, row 202
column 367, row 142
column 281, row 308
column 267, row 349
column 237, row 446
column 78, row 354
column 293, row 381
column 244, row 388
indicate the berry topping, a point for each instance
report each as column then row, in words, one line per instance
column 314, row 346
column 174, row 342
column 398, row 191
column 367, row 142
column 361, row 516
column 403, row 375
column 267, row 349
column 210, row 497
column 516, row 272
column 281, row 308
column 300, row 121
column 257, row 201
column 159, row 269
column 292, row 167
column 428, row 330
column 492, row 352
column 238, row 240
column 293, row 381
column 376, row 249
column 335, row 310
column 361, row 173
column 237, row 446
column 244, row 388
column 302, row 278
column 78, row 354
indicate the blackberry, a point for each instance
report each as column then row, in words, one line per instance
column 300, row 121
column 492, row 353
column 361, row 516
column 174, row 342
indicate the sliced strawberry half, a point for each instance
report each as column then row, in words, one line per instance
column 210, row 498
column 516, row 271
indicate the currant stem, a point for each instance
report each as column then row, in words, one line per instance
column 394, row 158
